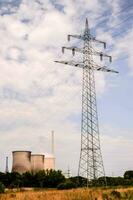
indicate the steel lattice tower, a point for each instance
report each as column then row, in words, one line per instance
column 90, row 163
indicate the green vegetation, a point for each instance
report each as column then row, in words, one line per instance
column 42, row 179
column 128, row 175
column 114, row 181
column 66, row 185
column 2, row 188
column 55, row 179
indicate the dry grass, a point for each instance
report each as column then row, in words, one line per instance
column 75, row 194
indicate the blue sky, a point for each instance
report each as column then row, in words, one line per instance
column 37, row 95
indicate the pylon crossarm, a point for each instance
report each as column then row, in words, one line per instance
column 98, row 41
column 72, row 63
column 92, row 52
column 73, row 49
column 104, row 69
column 101, row 54
column 75, row 36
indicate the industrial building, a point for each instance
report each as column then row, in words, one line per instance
column 24, row 161
column 49, row 162
column 21, row 161
column 37, row 162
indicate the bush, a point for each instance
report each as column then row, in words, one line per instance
column 116, row 194
column 128, row 174
column 66, row 185
column 2, row 188
column 54, row 178
column 105, row 196
column 78, row 181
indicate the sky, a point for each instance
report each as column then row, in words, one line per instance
column 38, row 96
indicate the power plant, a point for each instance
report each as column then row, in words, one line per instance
column 37, row 162
column 21, row 161
column 49, row 162
column 25, row 161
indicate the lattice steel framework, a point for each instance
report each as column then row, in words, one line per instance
column 90, row 162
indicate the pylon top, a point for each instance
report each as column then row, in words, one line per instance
column 86, row 26
column 87, row 37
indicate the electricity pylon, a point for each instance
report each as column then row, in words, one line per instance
column 90, row 162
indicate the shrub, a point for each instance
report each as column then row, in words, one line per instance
column 128, row 174
column 54, row 178
column 66, row 185
column 105, row 196
column 116, row 194
column 2, row 188
column 12, row 195
column 79, row 181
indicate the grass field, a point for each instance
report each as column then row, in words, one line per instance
column 75, row 194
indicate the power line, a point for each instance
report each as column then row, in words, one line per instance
column 129, row 17
column 125, row 8
column 117, row 13
column 119, row 33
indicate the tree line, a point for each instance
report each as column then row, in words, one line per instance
column 55, row 179
column 44, row 178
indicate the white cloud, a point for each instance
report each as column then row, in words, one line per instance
column 117, row 153
column 37, row 95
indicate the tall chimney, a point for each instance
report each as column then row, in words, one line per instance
column 6, row 170
column 52, row 142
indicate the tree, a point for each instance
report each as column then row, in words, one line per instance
column 54, row 178
column 28, row 179
column 40, row 179
column 66, row 185
column 128, row 174
column 2, row 188
column 79, row 181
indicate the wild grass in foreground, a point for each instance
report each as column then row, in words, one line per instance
column 75, row 194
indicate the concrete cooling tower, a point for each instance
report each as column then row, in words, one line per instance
column 49, row 162
column 37, row 162
column 21, row 161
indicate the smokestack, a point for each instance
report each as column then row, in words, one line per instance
column 49, row 160
column 52, row 143
column 6, row 170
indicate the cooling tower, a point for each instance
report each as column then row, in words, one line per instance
column 37, row 162
column 49, row 162
column 21, row 161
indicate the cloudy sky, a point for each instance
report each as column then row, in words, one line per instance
column 37, row 95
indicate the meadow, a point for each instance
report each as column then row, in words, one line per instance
column 73, row 194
